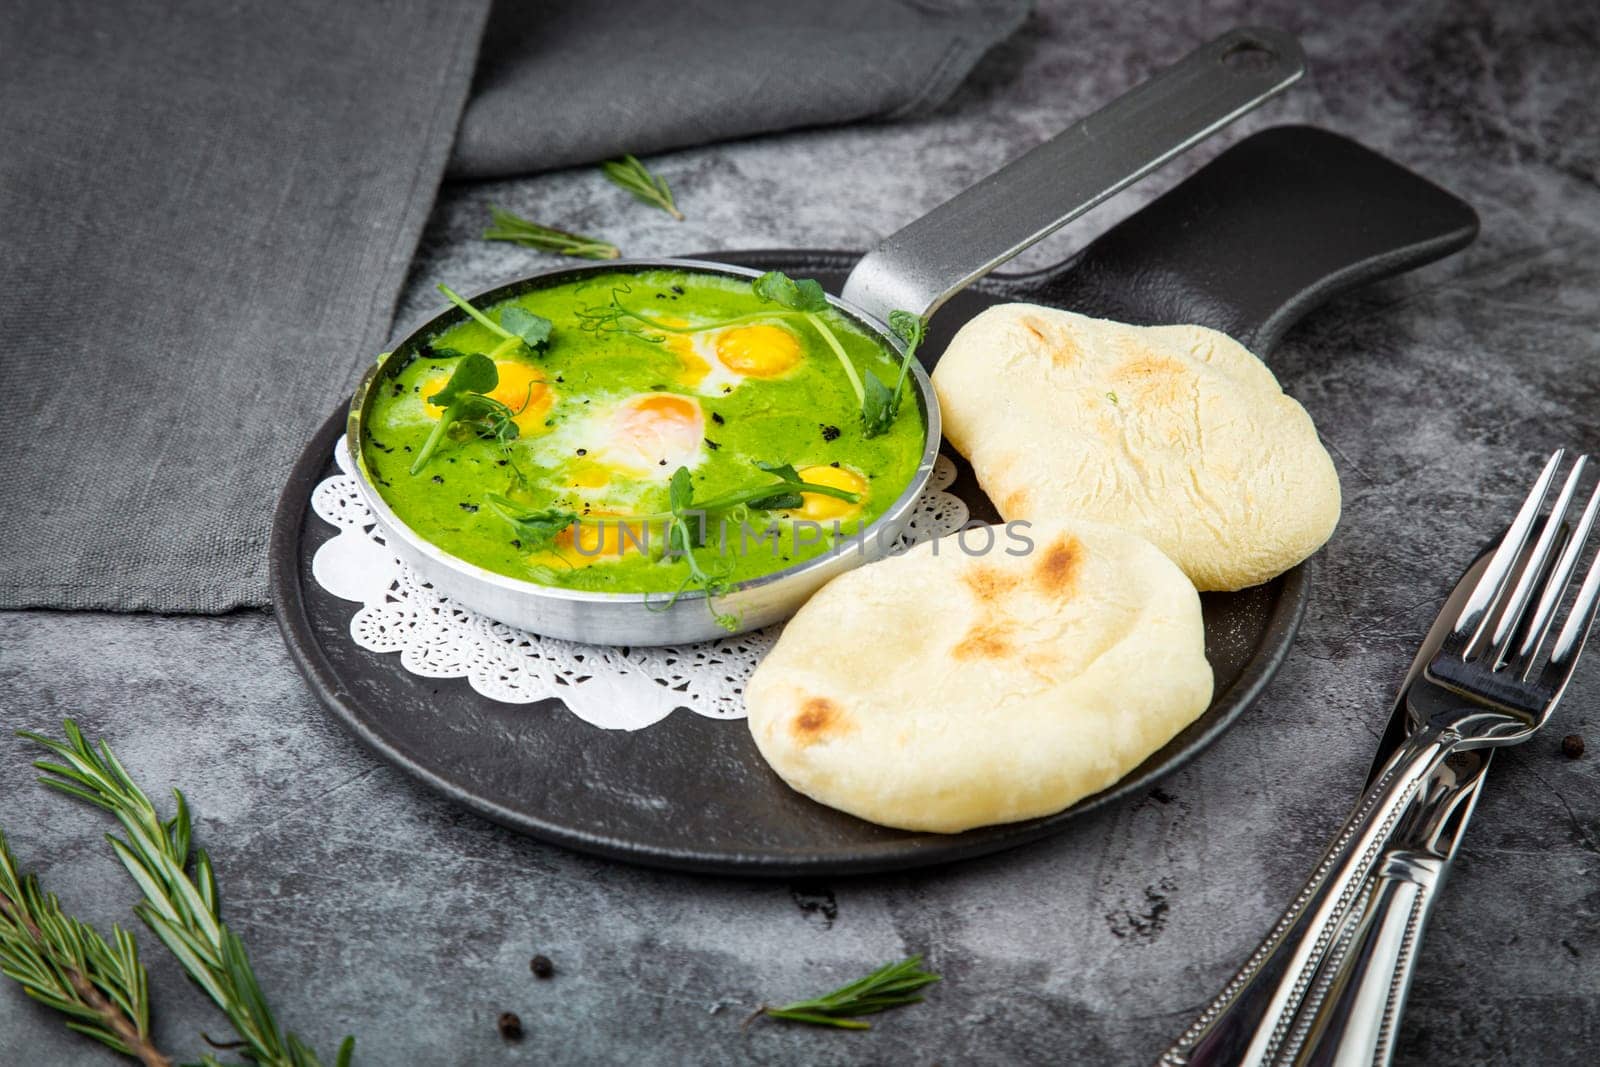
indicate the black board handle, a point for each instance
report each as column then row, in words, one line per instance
column 1250, row 243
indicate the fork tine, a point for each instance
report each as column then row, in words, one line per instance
column 1505, row 629
column 1475, row 613
column 1567, row 646
column 1545, row 613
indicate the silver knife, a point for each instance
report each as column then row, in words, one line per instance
column 1220, row 1034
column 1351, row 1015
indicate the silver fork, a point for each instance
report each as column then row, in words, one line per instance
column 1489, row 685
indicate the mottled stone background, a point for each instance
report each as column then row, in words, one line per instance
column 374, row 908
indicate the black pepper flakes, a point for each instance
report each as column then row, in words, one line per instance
column 438, row 479
column 510, row 1026
column 468, row 508
column 583, row 451
column 830, row 433
column 712, row 444
column 678, row 289
column 1572, row 746
column 541, row 966
column 718, row 419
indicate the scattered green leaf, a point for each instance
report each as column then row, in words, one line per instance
column 181, row 903
column 66, row 965
column 508, row 227
column 893, row 985
column 628, row 173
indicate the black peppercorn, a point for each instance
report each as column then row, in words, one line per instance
column 830, row 433
column 541, row 967
column 509, row 1025
column 1572, row 746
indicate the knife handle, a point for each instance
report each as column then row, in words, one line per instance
column 1253, row 1020
column 1354, row 1020
column 1354, row 1011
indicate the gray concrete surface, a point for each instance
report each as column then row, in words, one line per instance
column 373, row 908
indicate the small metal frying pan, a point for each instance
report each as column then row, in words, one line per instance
column 916, row 269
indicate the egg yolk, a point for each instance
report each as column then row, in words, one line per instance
column 522, row 388
column 759, row 351
column 819, row 508
column 599, row 538
column 655, row 430
column 693, row 367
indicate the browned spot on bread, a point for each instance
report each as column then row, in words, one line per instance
column 1015, row 504
column 1063, row 350
column 989, row 583
column 819, row 719
column 986, row 640
column 1156, row 379
column 1057, row 569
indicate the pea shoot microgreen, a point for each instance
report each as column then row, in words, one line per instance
column 881, row 404
column 535, row 528
column 629, row 174
column 517, row 328
column 466, row 405
column 684, row 523
column 508, row 227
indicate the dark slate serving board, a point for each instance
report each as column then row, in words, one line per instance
column 1274, row 226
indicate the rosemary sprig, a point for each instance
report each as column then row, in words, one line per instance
column 629, row 174
column 181, row 904
column 893, row 985
column 66, row 965
column 505, row 226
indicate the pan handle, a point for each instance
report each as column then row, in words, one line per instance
column 1273, row 227
column 918, row 267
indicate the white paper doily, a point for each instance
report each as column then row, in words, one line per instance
column 612, row 688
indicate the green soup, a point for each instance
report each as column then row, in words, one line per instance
column 610, row 408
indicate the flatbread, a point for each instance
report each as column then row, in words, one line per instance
column 941, row 691
column 1175, row 432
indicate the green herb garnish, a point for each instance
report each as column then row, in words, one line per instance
column 181, row 903
column 628, row 173
column 893, row 985
column 683, row 538
column 508, row 227
column 66, row 965
column 535, row 529
column 806, row 297
column 465, row 405
column 882, row 404
column 517, row 328
column 684, row 522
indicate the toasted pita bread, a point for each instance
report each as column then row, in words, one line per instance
column 1177, row 433
column 941, row 691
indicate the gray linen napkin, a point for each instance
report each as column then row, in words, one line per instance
column 207, row 213
column 558, row 85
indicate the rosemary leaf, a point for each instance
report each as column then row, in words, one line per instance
column 181, row 909
column 508, row 227
column 66, row 965
column 893, row 985
column 629, row 174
